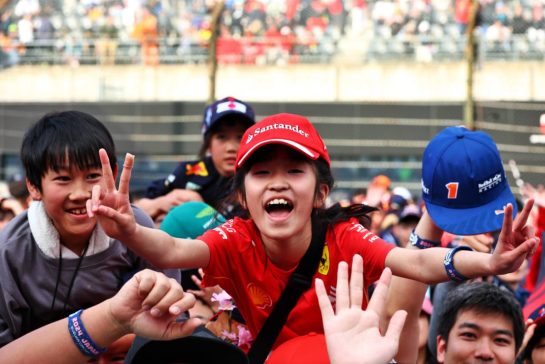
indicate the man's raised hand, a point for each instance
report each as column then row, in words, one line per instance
column 516, row 242
column 110, row 205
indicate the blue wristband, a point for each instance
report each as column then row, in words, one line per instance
column 420, row 243
column 452, row 273
column 80, row 336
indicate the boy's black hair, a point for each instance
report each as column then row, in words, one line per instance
column 484, row 298
column 61, row 138
column 330, row 215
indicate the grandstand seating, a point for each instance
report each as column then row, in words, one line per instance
column 267, row 32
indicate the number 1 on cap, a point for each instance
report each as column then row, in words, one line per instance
column 452, row 188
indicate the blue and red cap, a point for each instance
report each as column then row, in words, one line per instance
column 537, row 315
column 464, row 184
column 228, row 106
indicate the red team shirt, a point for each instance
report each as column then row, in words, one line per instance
column 238, row 263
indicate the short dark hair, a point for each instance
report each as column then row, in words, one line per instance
column 538, row 334
column 481, row 297
column 61, row 138
column 359, row 191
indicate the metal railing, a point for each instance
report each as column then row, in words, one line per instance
column 168, row 51
column 431, row 49
column 263, row 52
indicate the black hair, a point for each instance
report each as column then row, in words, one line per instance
column 409, row 220
column 481, row 297
column 229, row 121
column 64, row 139
column 539, row 333
column 5, row 213
column 18, row 189
column 359, row 191
column 322, row 169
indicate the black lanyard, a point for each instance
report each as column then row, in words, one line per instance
column 299, row 281
column 59, row 270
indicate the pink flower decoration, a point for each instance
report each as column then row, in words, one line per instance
column 244, row 336
column 229, row 336
column 225, row 301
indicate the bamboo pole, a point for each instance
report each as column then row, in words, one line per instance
column 212, row 59
column 469, row 105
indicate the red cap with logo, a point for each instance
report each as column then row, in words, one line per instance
column 294, row 131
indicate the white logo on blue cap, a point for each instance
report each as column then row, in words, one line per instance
column 489, row 183
column 499, row 212
column 208, row 116
column 230, row 106
column 425, row 189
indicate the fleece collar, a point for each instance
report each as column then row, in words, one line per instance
column 47, row 237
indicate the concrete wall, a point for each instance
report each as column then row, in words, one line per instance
column 371, row 82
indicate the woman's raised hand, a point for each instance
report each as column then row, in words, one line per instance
column 352, row 334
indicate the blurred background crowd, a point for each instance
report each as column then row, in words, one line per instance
column 390, row 72
column 263, row 31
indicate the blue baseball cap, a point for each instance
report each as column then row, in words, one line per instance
column 464, row 184
column 228, row 106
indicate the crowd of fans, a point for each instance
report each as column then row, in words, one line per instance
column 398, row 213
column 432, row 29
column 77, row 213
column 259, row 32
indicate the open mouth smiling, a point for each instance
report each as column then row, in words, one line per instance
column 278, row 207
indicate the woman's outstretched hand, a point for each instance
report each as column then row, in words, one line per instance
column 517, row 241
column 352, row 334
column 111, row 205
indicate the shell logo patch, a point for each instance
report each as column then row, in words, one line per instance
column 198, row 169
column 324, row 261
column 259, row 297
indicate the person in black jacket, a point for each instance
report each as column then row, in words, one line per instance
column 208, row 178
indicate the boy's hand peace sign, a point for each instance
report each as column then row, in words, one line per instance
column 110, row 205
column 516, row 241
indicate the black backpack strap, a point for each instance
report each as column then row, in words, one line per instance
column 299, row 281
